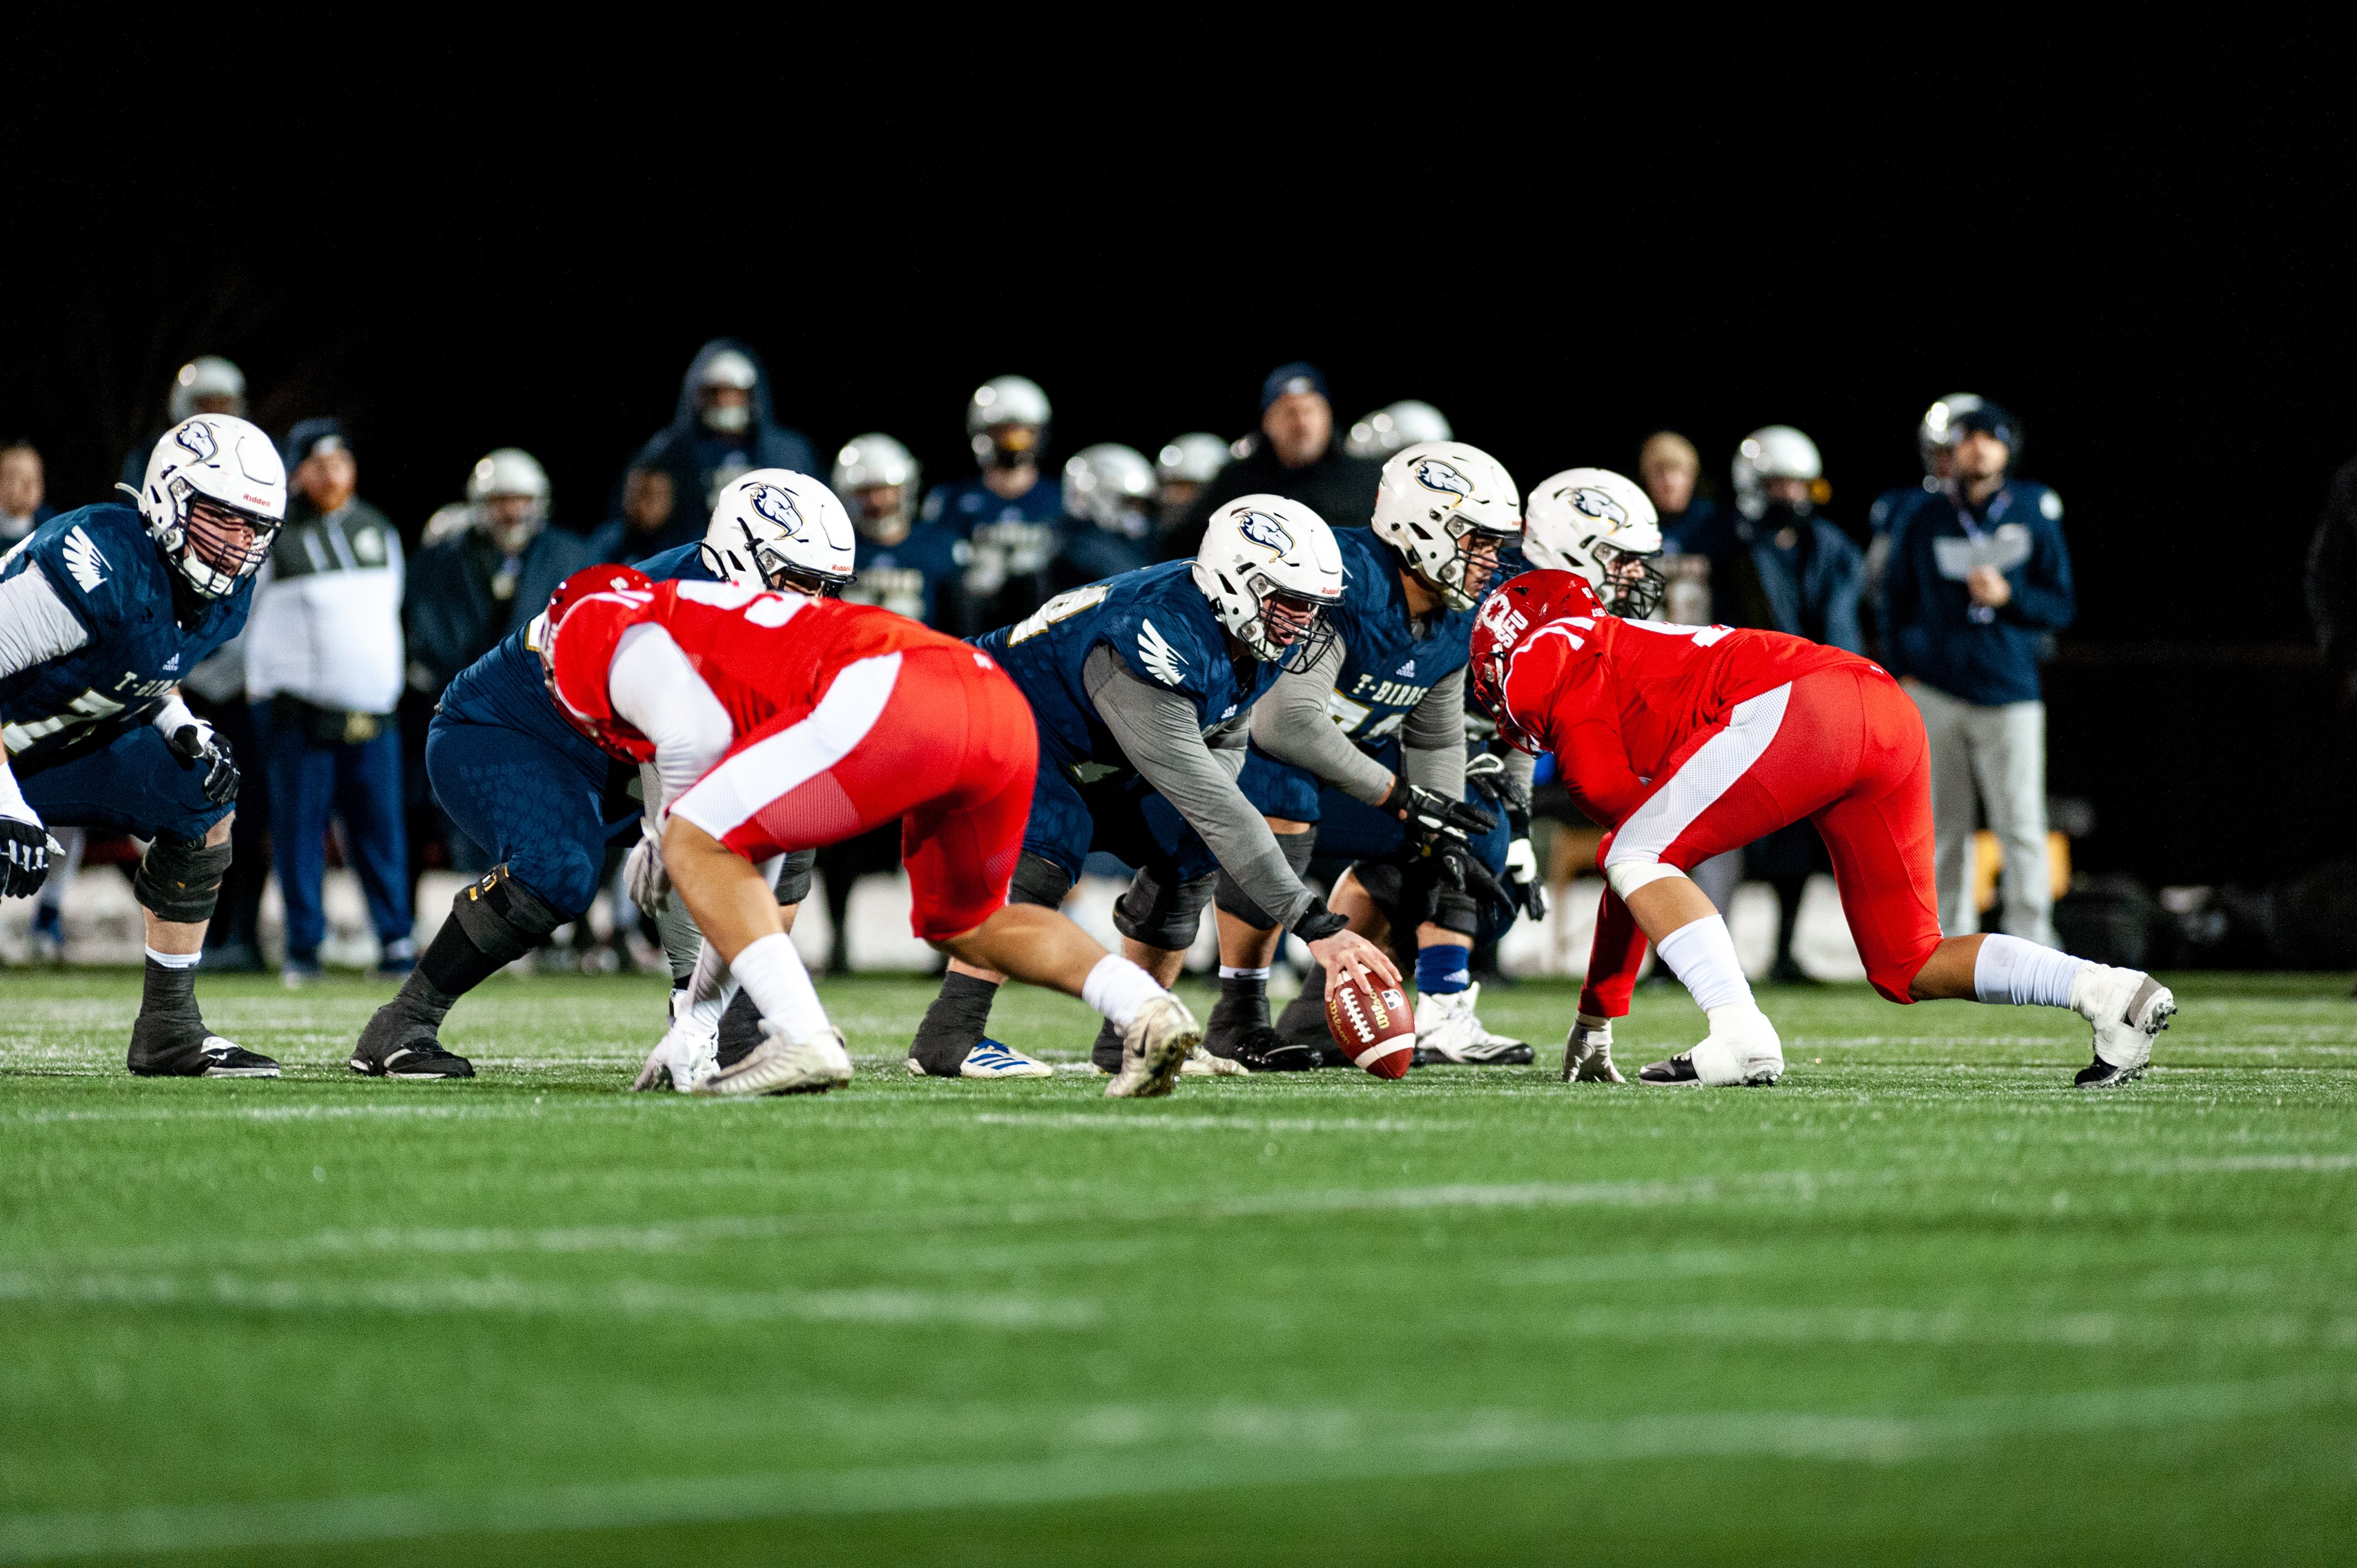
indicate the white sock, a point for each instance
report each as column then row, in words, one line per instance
column 772, row 970
column 1118, row 988
column 177, row 959
column 1230, row 972
column 1702, row 955
column 2024, row 974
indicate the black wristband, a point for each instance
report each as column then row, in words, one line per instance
column 1518, row 823
column 1399, row 795
column 1318, row 922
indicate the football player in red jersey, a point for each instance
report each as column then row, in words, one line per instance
column 780, row 723
column 1689, row 741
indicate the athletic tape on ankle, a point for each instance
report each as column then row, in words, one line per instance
column 1625, row 877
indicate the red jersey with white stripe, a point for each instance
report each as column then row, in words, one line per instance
column 1615, row 699
column 729, row 635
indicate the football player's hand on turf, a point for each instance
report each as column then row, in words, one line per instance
column 1348, row 953
column 1430, row 815
column 645, row 877
column 24, row 849
column 196, row 744
column 1588, row 1053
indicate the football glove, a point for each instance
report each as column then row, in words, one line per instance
column 1456, row 867
column 1522, row 885
column 645, row 878
column 196, row 744
column 24, row 849
column 1588, row 1053
column 1432, row 817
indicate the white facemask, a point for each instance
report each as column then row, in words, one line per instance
column 732, row 419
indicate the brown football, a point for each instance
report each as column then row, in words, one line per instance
column 1375, row 1025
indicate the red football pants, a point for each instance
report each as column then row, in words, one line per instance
column 939, row 738
column 1843, row 747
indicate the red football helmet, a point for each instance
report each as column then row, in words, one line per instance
column 576, row 637
column 1506, row 620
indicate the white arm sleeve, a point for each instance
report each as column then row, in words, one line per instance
column 659, row 693
column 34, row 624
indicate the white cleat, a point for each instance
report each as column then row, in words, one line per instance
column 688, row 1053
column 1741, row 1048
column 992, row 1059
column 1160, row 1039
column 1587, row 1056
column 1201, row 1063
column 783, row 1066
column 1448, row 1031
column 2127, row 1007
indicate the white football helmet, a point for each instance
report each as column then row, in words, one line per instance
column 509, row 471
column 206, row 375
column 1015, row 405
column 876, row 461
column 1271, row 571
column 1936, row 434
column 211, row 476
column 1112, row 486
column 1774, row 452
column 777, row 529
column 1404, row 424
column 1436, row 500
column 1194, row 459
column 1602, row 526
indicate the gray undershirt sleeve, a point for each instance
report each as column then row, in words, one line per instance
column 1294, row 725
column 34, row 624
column 1520, row 766
column 1158, row 734
column 1433, row 741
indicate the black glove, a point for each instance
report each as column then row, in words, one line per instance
column 1486, row 774
column 1456, row 867
column 1431, row 817
column 25, row 850
column 198, row 744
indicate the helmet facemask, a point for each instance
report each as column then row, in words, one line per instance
column 219, row 543
column 763, row 564
column 1630, row 584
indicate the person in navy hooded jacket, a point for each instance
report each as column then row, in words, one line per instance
column 723, row 428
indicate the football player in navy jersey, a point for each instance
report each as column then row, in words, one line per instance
column 1143, row 687
column 1005, row 515
column 541, row 798
column 102, row 611
column 1358, row 754
column 913, row 571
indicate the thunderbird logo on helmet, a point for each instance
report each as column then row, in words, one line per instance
column 1264, row 530
column 778, row 506
column 1434, row 475
column 197, row 437
column 1588, row 501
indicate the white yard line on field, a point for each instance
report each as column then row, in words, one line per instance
column 1253, row 1454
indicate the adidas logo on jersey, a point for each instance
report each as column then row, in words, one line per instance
column 173, row 662
column 1164, row 661
column 1407, row 668
column 82, row 559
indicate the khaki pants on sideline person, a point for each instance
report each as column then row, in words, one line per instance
column 1999, row 756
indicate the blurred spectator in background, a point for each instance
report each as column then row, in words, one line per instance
column 468, row 591
column 1934, row 439
column 1778, row 564
column 723, row 426
column 1671, row 470
column 2332, row 584
column 24, row 492
column 324, row 672
column 1109, row 500
column 1006, row 513
column 909, row 570
column 206, row 384
column 1398, row 425
column 1296, row 456
column 1187, row 463
column 1977, row 578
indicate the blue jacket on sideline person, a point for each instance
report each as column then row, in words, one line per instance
column 1978, row 655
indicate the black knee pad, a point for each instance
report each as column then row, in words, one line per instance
column 1299, row 849
column 1038, row 881
column 180, row 879
column 1455, row 909
column 1164, row 915
column 504, row 919
column 794, row 877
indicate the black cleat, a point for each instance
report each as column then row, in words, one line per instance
column 393, row 1045
column 1266, row 1050
column 2101, row 1074
column 1678, row 1070
column 199, row 1055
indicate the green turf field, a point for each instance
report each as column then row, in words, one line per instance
column 1922, row 1303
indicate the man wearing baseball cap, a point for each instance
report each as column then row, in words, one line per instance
column 1295, row 456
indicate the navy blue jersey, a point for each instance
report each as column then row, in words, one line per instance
column 505, row 687
column 1160, row 624
column 1891, row 505
column 102, row 563
column 963, row 505
column 908, row 578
